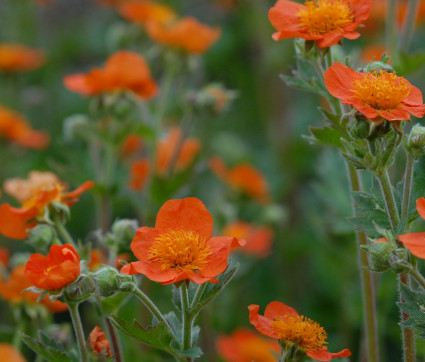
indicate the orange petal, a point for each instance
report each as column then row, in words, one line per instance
column 420, row 206
column 14, row 222
column 275, row 309
column 324, row 355
column 415, row 242
column 262, row 324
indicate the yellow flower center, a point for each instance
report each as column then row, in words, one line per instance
column 323, row 16
column 381, row 90
column 183, row 250
column 308, row 334
column 35, row 201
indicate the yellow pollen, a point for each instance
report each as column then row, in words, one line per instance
column 381, row 90
column 308, row 334
column 323, row 16
column 183, row 250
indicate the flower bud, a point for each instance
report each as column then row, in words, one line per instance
column 82, row 289
column 108, row 281
column 376, row 65
column 359, row 127
column 75, row 127
column 379, row 254
column 416, row 141
column 41, row 236
column 124, row 230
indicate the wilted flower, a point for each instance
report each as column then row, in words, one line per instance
column 324, row 21
column 180, row 246
column 19, row 58
column 284, row 323
column 59, row 268
column 244, row 345
column 378, row 94
column 123, row 71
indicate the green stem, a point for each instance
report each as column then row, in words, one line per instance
column 153, row 309
column 407, row 185
column 198, row 295
column 63, row 232
column 391, row 24
column 409, row 24
column 186, row 317
column 79, row 332
column 367, row 283
column 384, row 181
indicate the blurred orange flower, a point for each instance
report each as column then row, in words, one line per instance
column 284, row 323
column 378, row 95
column 123, row 71
column 180, row 246
column 99, row 342
column 18, row 58
column 324, row 21
column 8, row 353
column 374, row 51
column 16, row 128
column 244, row 345
column 243, row 177
column 141, row 12
column 132, row 144
column 59, row 268
column 258, row 238
column 4, row 257
column 166, row 148
column 96, row 259
column 34, row 196
column 187, row 34
column 139, row 173
column 11, row 290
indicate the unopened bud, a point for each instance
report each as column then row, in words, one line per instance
column 75, row 127
column 416, row 142
column 378, row 65
column 379, row 254
column 109, row 281
column 359, row 127
column 79, row 291
column 41, row 236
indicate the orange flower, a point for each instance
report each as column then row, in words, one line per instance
column 166, row 148
column 139, row 173
column 11, row 290
column 123, row 71
column 258, row 239
column 99, row 342
column 187, row 34
column 59, row 268
column 4, row 257
column 180, row 246
column 96, row 259
column 34, row 196
column 324, row 21
column 378, row 95
column 141, row 12
column 243, row 177
column 18, row 58
column 10, row 354
column 284, row 323
column 244, row 345
column 16, row 128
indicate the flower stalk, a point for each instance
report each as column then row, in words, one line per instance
column 186, row 317
column 79, row 332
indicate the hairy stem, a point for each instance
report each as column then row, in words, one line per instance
column 385, row 184
column 79, row 332
column 186, row 317
column 407, row 185
column 367, row 284
column 63, row 232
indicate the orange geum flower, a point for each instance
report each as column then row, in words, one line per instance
column 285, row 324
column 324, row 21
column 59, row 268
column 180, row 247
column 243, row 177
column 244, row 345
column 187, row 34
column 258, row 238
column 131, row 145
column 139, row 173
column 34, row 197
column 141, row 12
column 99, row 342
column 123, row 71
column 18, row 58
column 378, row 95
column 10, row 354
column 12, row 291
column 16, row 128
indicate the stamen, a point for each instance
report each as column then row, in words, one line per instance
column 323, row 16
column 184, row 250
column 308, row 334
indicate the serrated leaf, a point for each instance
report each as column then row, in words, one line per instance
column 414, row 305
column 327, row 136
column 49, row 353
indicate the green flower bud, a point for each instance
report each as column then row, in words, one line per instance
column 75, row 127
column 41, row 236
column 82, row 289
column 124, row 230
column 376, row 65
column 359, row 127
column 379, row 254
column 416, row 141
column 109, row 281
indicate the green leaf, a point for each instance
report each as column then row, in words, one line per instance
column 327, row 136
column 46, row 348
column 414, row 305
